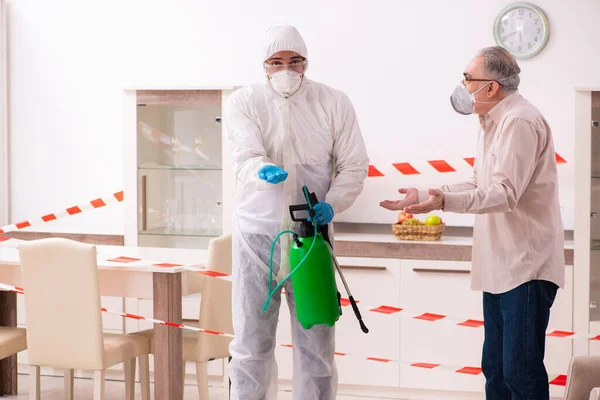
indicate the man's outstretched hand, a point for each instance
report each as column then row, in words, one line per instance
column 436, row 202
column 411, row 198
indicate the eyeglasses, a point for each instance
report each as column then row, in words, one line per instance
column 466, row 80
column 275, row 66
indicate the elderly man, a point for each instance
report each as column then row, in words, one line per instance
column 518, row 249
column 285, row 132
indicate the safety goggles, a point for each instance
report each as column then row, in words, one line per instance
column 276, row 66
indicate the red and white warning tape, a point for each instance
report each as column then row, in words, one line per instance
column 433, row 166
column 166, row 323
column 458, row 321
column 70, row 211
column 91, row 205
column 557, row 379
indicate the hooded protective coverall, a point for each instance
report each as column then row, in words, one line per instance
column 307, row 135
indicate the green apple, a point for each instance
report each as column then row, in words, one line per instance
column 433, row 220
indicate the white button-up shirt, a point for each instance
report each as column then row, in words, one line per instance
column 518, row 234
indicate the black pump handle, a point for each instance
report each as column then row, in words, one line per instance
column 298, row 207
column 304, row 207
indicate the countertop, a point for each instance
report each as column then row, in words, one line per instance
column 381, row 245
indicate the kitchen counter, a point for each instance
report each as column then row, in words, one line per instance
column 381, row 245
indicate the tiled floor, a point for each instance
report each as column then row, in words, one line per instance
column 52, row 389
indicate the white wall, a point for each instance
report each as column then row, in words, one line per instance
column 3, row 119
column 397, row 60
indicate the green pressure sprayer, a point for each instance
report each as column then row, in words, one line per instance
column 312, row 261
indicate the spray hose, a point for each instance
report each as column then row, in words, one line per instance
column 271, row 293
column 311, row 199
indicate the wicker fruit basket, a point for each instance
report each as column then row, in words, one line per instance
column 418, row 232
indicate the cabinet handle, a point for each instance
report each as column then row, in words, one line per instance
column 362, row 267
column 442, row 271
column 144, row 213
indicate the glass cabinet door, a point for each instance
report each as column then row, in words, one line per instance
column 179, row 174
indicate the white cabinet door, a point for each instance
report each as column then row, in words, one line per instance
column 442, row 288
column 372, row 282
column 559, row 351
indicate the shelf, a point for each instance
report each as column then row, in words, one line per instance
column 182, row 232
column 182, row 168
column 595, row 245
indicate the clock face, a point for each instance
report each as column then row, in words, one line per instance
column 522, row 29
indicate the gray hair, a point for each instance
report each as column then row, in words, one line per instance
column 502, row 66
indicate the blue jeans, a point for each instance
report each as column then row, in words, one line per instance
column 515, row 325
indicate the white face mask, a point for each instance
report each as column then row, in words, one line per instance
column 286, row 82
column 464, row 101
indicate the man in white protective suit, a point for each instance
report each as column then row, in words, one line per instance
column 283, row 133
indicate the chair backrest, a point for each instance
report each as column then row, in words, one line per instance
column 62, row 304
column 215, row 303
column 583, row 376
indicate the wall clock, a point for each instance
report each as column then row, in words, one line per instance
column 522, row 29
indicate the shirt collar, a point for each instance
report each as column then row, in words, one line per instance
column 498, row 111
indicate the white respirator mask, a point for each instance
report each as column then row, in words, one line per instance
column 286, row 82
column 464, row 101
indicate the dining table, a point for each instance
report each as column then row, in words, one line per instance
column 164, row 275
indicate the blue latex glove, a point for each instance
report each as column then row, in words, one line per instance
column 323, row 213
column 272, row 174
